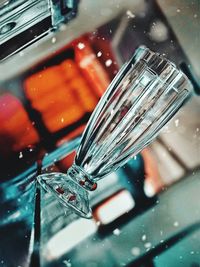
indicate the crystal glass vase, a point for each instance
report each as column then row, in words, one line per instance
column 144, row 95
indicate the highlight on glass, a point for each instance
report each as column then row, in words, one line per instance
column 141, row 99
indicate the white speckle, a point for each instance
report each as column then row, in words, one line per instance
column 62, row 120
column 137, row 81
column 161, row 241
column 62, row 27
column 176, row 122
column 81, row 45
column 108, row 62
column 191, row 252
column 195, row 16
column 130, row 14
column 116, row 232
column 15, row 215
column 197, row 129
column 176, row 224
column 161, row 232
column 149, row 189
column 53, row 40
column 180, row 257
column 21, row 53
column 135, row 251
column 87, row 60
column 158, row 31
column 144, row 238
column 99, row 54
column 147, row 245
column 20, row 155
column 178, row 10
column 98, row 223
column 166, row 129
column 67, row 263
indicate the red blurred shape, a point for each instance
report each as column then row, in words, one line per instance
column 104, row 53
column 91, row 67
column 65, row 163
column 16, row 131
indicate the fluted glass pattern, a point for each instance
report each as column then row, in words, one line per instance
column 141, row 99
column 138, row 103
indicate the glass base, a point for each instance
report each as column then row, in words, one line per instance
column 67, row 192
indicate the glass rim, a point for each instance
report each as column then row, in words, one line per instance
column 158, row 64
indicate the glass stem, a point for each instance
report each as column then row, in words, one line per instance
column 82, row 178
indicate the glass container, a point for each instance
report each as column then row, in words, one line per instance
column 141, row 99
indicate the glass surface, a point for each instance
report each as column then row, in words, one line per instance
column 141, row 99
column 17, row 199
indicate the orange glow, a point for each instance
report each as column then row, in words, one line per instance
column 41, row 83
column 83, row 94
column 61, row 95
column 16, row 131
column 65, row 163
column 151, row 170
column 69, row 69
